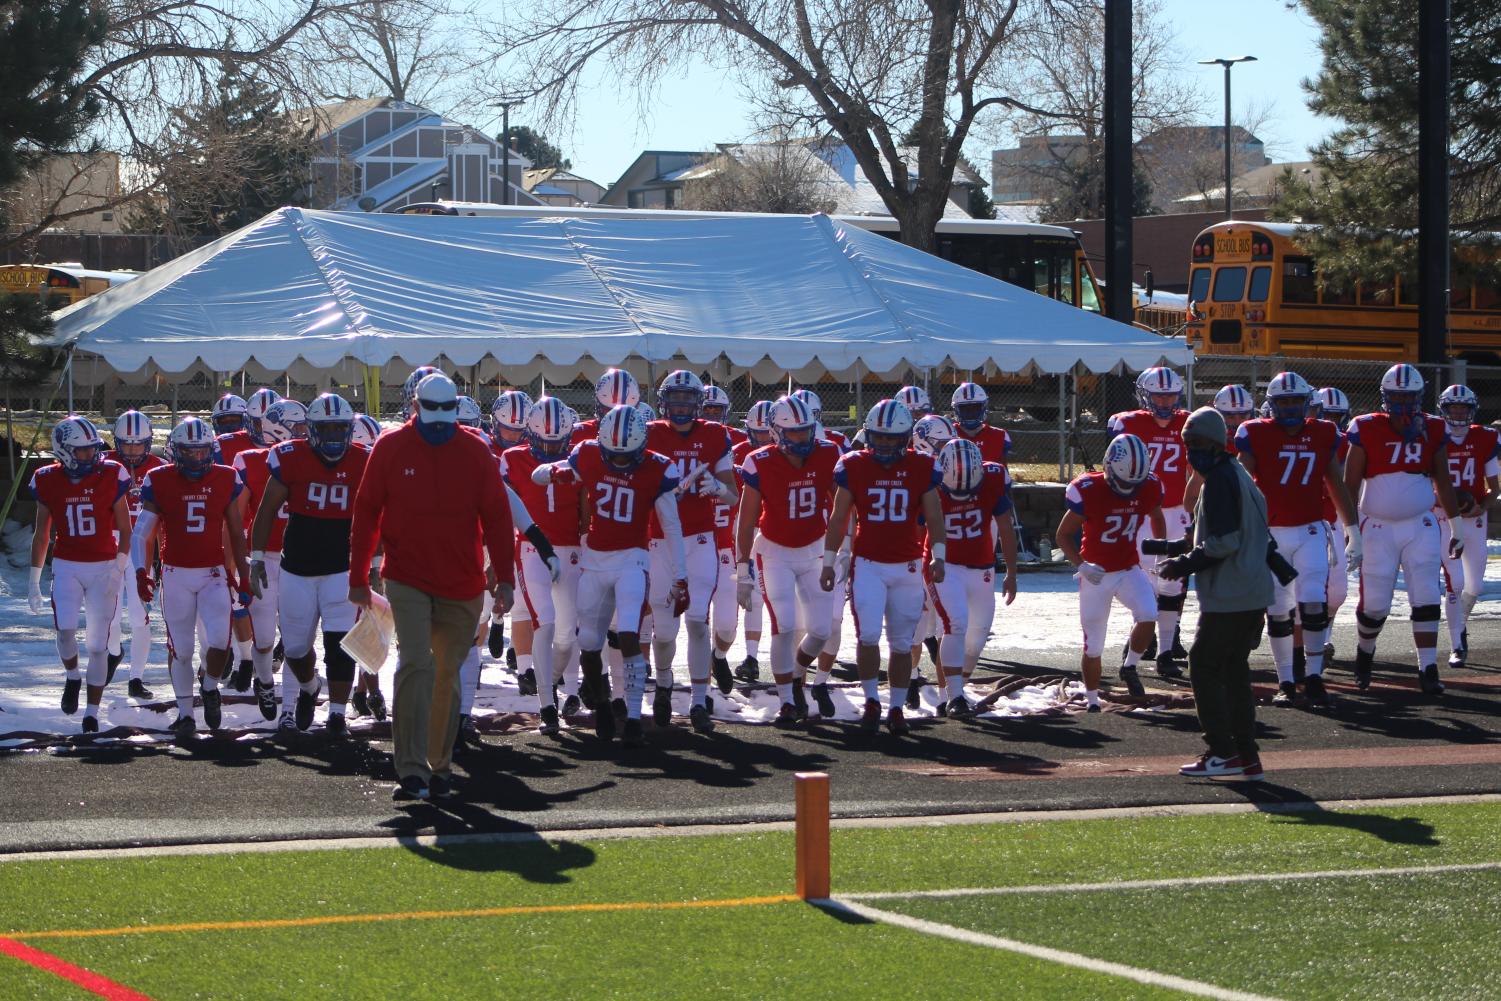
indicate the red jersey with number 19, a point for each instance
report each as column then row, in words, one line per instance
column 1164, row 444
column 193, row 513
column 887, row 503
column 794, row 502
column 554, row 507
column 1290, row 467
column 620, row 501
column 1112, row 522
column 969, row 522
column 81, row 509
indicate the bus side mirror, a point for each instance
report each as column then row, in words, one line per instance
column 1150, row 285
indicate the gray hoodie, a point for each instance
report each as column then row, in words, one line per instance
column 1231, row 536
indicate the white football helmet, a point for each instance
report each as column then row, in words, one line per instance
column 366, row 430
column 1289, row 394
column 469, row 413
column 969, row 404
column 192, row 447
column 287, row 419
column 888, row 429
column 1159, row 382
column 1402, row 391
column 962, row 466
column 409, row 388
column 716, row 406
column 790, row 415
column 229, row 414
column 931, row 433
column 680, row 396
column 915, row 398
column 1458, row 405
column 811, row 399
column 616, row 388
column 255, row 412
column 1233, row 401
column 330, row 426
column 549, row 425
column 758, row 422
column 132, row 438
column 1127, row 464
column 74, row 434
column 622, row 435
column 1333, row 404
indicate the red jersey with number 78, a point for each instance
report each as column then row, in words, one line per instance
column 82, row 510
column 620, row 501
column 192, row 513
column 1164, row 445
column 1112, row 522
column 795, row 501
column 1290, row 467
column 887, row 503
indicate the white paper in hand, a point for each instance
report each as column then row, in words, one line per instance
column 369, row 642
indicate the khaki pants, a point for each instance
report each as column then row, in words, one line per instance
column 432, row 636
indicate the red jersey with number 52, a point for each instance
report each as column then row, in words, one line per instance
column 1469, row 458
column 1164, row 444
column 554, row 507
column 969, row 522
column 1290, row 467
column 1112, row 522
column 82, row 510
column 620, row 501
column 705, row 444
column 137, row 475
column 193, row 513
column 887, row 503
column 795, row 502
column 254, row 471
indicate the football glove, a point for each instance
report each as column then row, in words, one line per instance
column 745, row 584
column 145, row 589
column 678, row 594
column 1354, row 550
column 1092, row 572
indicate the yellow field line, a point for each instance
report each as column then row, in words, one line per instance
column 344, row 919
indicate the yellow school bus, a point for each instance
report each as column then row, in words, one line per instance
column 60, row 284
column 1254, row 291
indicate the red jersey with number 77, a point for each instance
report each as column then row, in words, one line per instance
column 887, row 503
column 795, row 501
column 192, row 513
column 620, row 501
column 1112, row 522
column 1290, row 467
column 82, row 510
column 1164, row 445
column 969, row 522
column 554, row 507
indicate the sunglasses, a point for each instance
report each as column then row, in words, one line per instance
column 444, row 407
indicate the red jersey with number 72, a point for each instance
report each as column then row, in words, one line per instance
column 887, row 503
column 969, row 522
column 192, row 513
column 1112, row 522
column 82, row 510
column 1290, row 467
column 795, row 501
column 1164, row 445
column 620, row 501
column 554, row 507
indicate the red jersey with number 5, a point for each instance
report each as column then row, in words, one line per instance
column 254, row 471
column 969, row 522
column 795, row 502
column 82, row 510
column 887, row 503
column 554, row 507
column 1164, row 444
column 1290, row 467
column 1469, row 457
column 193, row 513
column 137, row 475
column 705, row 444
column 620, row 501
column 1112, row 522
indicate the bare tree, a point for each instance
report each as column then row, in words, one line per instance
column 871, row 71
column 782, row 176
column 412, row 50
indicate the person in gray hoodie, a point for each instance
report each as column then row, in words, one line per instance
column 1229, row 563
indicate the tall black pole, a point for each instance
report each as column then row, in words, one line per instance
column 505, row 169
column 1118, row 186
column 1433, row 182
column 1229, row 173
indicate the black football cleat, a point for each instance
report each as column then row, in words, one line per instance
column 286, row 727
column 240, row 680
column 526, row 682
column 496, row 642
column 265, row 698
column 631, row 734
column 1287, row 694
column 748, row 670
column 439, row 787
column 336, row 727
column 1457, row 658
column 511, row 658
column 701, row 719
column 896, row 722
column 800, row 698
column 547, row 721
column 1300, row 665
column 1178, row 652
column 824, row 701
column 1428, row 681
column 1315, row 693
column 723, row 679
column 1364, row 663
column 957, row 707
column 112, row 663
column 467, row 735
column 604, row 721
column 1168, row 668
column 91, row 724
column 1093, row 707
column 571, row 706
column 411, row 789
column 914, row 694
column 183, row 727
column 786, row 718
column 941, row 710
column 1131, row 678
column 870, row 716
column 661, row 706
column 377, row 705
column 306, row 703
column 360, row 703
column 70, row 695
column 213, row 708
column 137, row 690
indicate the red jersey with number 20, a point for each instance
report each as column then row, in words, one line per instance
column 969, row 522
column 193, row 513
column 1164, row 444
column 554, row 507
column 794, row 502
column 620, row 501
column 887, row 503
column 82, row 509
column 1290, row 467
column 1112, row 522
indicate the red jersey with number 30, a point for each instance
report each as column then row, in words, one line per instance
column 969, row 522
column 795, row 502
column 1164, row 444
column 82, row 510
column 1469, row 457
column 1112, row 522
column 705, row 444
column 1290, row 467
column 254, row 471
column 137, row 476
column 887, row 503
column 620, row 501
column 554, row 507
column 193, row 513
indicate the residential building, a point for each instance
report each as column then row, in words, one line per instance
column 67, row 183
column 654, row 180
column 556, row 186
column 1028, row 173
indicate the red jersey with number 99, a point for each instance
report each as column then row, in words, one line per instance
column 314, row 488
column 82, row 510
column 1164, row 444
column 887, row 503
column 969, row 522
column 192, row 513
column 620, row 501
column 554, row 507
column 794, row 502
column 1112, row 522
column 1290, row 467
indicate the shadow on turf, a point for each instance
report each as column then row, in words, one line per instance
column 1291, row 806
column 536, row 861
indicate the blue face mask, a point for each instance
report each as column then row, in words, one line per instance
column 1203, row 459
column 435, row 433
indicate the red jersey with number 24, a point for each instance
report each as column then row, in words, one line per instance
column 887, row 503
column 193, row 513
column 82, row 509
column 620, row 501
column 1164, row 444
column 795, row 501
column 1112, row 522
column 1290, row 467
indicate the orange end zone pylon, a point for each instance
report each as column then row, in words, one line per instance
column 812, row 834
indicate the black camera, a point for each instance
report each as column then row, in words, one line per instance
column 1165, row 547
column 1284, row 571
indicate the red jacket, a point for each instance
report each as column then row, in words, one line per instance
column 431, row 506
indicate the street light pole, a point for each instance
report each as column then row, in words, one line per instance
column 1227, row 63
column 505, row 105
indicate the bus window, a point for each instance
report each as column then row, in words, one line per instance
column 1297, row 280
column 1487, row 297
column 1229, row 284
column 1459, row 297
column 1088, row 300
column 1379, row 294
column 1338, row 295
column 1198, row 288
column 1261, row 283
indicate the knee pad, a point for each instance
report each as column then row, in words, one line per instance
column 67, row 643
column 1170, row 602
column 336, row 661
column 612, row 639
column 1425, row 613
column 1315, row 617
column 1279, row 626
column 1370, row 621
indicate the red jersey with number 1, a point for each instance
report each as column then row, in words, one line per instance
column 554, row 507
column 1112, row 522
column 795, row 501
column 620, row 501
column 193, row 513
column 1290, row 467
column 1469, row 457
column 254, row 472
column 969, row 522
column 82, row 509
column 1164, row 444
column 887, row 503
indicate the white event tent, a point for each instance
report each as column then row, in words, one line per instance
column 315, row 295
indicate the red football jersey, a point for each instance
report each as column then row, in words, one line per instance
column 1331, row 513
column 969, row 524
column 887, row 503
column 838, row 438
column 1386, row 451
column 82, row 510
column 705, row 443
column 232, row 444
column 555, row 507
column 724, row 516
column 737, row 436
column 254, row 471
column 795, row 502
column 314, row 488
column 1290, row 467
column 620, row 501
column 1468, row 459
column 584, row 431
column 193, row 513
column 1165, row 444
column 1112, row 522
column 137, row 476
column 994, row 442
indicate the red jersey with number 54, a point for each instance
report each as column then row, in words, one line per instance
column 795, row 502
column 554, row 507
column 82, row 510
column 1164, row 444
column 193, row 513
column 620, row 501
column 1470, row 457
column 1112, row 522
column 969, row 522
column 1290, row 467
column 887, row 503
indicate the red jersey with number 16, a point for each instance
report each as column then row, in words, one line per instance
column 1164, row 444
column 1112, row 522
column 620, row 501
column 1290, row 467
column 969, row 522
column 193, row 513
column 887, row 503
column 554, row 507
column 82, row 510
column 794, row 502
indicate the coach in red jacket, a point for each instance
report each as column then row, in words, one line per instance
column 431, row 494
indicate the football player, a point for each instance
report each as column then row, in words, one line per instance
column 409, row 389
column 507, row 430
column 1113, row 508
column 1399, row 468
column 891, row 490
column 1334, row 407
column 716, row 408
column 196, row 505
column 815, row 404
column 1294, row 459
column 916, row 400
column 929, row 435
column 616, row 388
column 133, row 451
column 757, row 434
column 367, row 698
column 81, row 499
column 784, row 510
column 1473, row 469
column 256, row 408
column 970, row 404
column 1236, row 406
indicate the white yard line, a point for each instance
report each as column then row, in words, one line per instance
column 1141, row 976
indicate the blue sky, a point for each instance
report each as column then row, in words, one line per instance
column 702, row 107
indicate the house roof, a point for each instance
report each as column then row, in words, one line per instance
column 335, row 116
column 652, row 153
column 1259, row 182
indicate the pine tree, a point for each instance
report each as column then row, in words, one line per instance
column 537, row 148
column 1081, row 190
